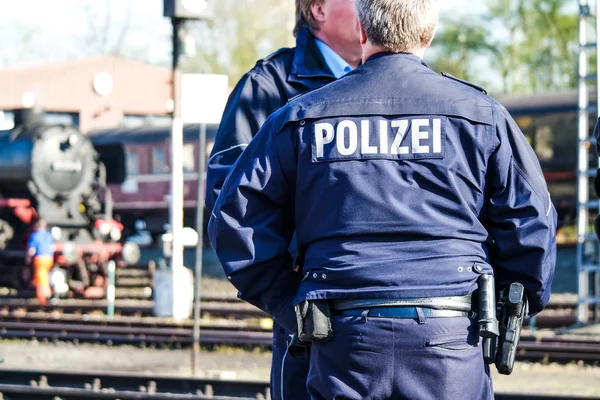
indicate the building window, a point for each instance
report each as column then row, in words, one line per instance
column 189, row 161
column 133, row 163
column 138, row 121
column 159, row 162
column 7, row 120
column 58, row 118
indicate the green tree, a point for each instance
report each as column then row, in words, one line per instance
column 242, row 32
column 456, row 48
column 550, row 45
column 530, row 44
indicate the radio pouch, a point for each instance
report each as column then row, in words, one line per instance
column 314, row 321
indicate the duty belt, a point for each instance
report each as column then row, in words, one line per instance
column 431, row 307
column 402, row 312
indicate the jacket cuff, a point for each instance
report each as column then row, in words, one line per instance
column 286, row 317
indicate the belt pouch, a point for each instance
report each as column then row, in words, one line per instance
column 314, row 321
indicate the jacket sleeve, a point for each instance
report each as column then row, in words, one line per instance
column 251, row 227
column 521, row 217
column 254, row 98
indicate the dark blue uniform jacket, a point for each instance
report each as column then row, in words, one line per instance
column 399, row 182
column 263, row 90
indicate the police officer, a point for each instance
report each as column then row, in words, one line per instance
column 327, row 47
column 403, row 187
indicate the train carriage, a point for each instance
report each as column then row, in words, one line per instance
column 144, row 196
column 549, row 122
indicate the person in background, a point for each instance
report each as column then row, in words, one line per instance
column 327, row 47
column 402, row 187
column 40, row 252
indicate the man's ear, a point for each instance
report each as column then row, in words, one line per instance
column 318, row 12
column 432, row 36
column 363, row 35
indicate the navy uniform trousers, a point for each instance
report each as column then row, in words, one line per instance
column 288, row 374
column 425, row 359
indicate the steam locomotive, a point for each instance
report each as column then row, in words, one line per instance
column 55, row 173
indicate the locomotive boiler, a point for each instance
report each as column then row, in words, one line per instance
column 54, row 173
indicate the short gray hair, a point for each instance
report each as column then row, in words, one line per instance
column 398, row 25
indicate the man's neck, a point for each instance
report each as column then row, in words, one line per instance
column 348, row 56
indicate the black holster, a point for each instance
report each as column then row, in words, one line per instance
column 314, row 320
column 513, row 308
column 297, row 348
column 314, row 324
column 500, row 335
column 487, row 323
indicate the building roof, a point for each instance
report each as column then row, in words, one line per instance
column 137, row 88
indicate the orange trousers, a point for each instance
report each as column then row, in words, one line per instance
column 41, row 268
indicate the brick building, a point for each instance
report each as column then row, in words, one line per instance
column 96, row 92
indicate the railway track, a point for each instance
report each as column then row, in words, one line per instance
column 222, row 307
column 50, row 385
column 238, row 324
column 42, row 385
column 557, row 315
column 156, row 331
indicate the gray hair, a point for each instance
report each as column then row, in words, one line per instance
column 398, row 25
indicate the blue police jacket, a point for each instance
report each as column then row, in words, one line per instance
column 264, row 89
column 43, row 243
column 399, row 183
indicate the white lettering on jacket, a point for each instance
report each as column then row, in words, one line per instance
column 411, row 138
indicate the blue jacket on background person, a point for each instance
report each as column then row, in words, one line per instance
column 263, row 90
column 343, row 165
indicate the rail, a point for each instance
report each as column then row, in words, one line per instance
column 556, row 315
column 242, row 333
column 42, row 385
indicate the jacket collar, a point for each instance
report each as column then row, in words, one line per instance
column 407, row 56
column 308, row 60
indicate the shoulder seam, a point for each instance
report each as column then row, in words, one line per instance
column 253, row 74
column 464, row 82
column 269, row 58
column 226, row 150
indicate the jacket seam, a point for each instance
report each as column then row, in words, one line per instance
column 260, row 74
column 226, row 150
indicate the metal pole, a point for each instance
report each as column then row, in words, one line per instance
column 110, row 290
column 199, row 246
column 596, row 282
column 176, row 155
column 582, row 165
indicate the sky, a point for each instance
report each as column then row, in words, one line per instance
column 39, row 31
column 60, row 29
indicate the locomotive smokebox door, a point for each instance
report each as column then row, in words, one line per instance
column 189, row 9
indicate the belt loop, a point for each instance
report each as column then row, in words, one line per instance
column 421, row 316
column 363, row 315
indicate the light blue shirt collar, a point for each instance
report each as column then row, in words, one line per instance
column 336, row 64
